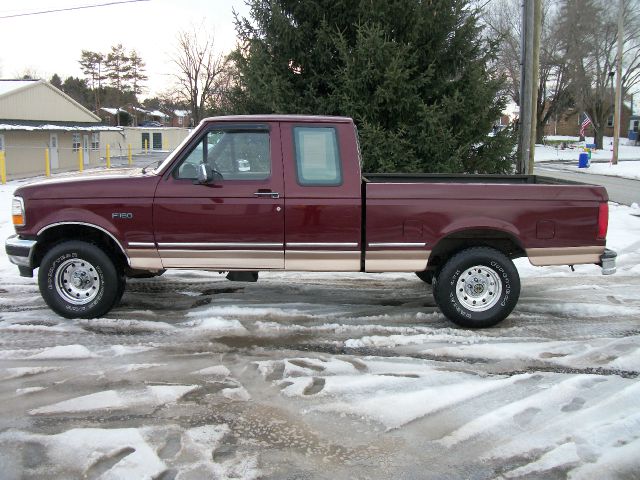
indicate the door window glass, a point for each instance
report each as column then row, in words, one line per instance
column 317, row 156
column 236, row 155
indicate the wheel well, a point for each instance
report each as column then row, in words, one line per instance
column 456, row 242
column 61, row 233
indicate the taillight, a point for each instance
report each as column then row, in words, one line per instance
column 603, row 220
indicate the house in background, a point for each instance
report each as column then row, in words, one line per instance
column 34, row 116
column 181, row 118
column 569, row 124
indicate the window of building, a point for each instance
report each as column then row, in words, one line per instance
column 75, row 141
column 145, row 141
column 157, row 141
column 610, row 121
column 635, row 125
column 95, row 141
column 235, row 154
column 317, row 156
column 180, row 121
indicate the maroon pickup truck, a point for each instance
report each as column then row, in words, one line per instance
column 281, row 192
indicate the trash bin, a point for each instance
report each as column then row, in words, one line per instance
column 583, row 160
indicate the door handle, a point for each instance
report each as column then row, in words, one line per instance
column 267, row 194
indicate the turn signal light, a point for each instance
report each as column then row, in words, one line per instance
column 17, row 212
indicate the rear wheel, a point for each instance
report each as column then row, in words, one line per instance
column 78, row 280
column 477, row 287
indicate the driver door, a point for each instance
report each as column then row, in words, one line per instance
column 234, row 223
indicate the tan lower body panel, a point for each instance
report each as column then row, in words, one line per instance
column 223, row 259
column 396, row 260
column 144, row 259
column 322, row 261
column 564, row 256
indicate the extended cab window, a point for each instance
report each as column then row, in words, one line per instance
column 235, row 154
column 317, row 156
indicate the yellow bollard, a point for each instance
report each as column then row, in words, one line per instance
column 108, row 156
column 165, row 145
column 80, row 162
column 129, row 154
column 47, row 163
column 3, row 168
column 146, row 147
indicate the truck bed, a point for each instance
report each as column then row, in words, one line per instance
column 463, row 178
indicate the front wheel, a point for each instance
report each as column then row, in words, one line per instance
column 478, row 287
column 78, row 280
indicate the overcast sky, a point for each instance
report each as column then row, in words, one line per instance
column 52, row 43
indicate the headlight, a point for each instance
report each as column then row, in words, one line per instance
column 17, row 212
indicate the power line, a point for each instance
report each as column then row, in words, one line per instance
column 81, row 7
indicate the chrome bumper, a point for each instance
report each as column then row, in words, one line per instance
column 608, row 262
column 20, row 253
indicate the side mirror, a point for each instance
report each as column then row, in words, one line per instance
column 207, row 175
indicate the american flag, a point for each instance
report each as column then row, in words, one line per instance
column 584, row 124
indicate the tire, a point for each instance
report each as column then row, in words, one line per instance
column 426, row 276
column 477, row 288
column 78, row 280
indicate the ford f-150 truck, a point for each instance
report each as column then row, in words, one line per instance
column 283, row 192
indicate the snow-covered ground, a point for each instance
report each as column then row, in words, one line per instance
column 325, row 376
column 628, row 165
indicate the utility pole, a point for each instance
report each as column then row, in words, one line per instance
column 529, row 78
column 526, row 86
column 537, row 29
column 617, row 117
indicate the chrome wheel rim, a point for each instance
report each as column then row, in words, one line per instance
column 77, row 281
column 478, row 288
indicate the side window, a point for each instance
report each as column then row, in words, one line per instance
column 235, row 154
column 317, row 156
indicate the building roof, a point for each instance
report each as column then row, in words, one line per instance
column 8, row 86
column 181, row 113
column 35, row 125
column 39, row 100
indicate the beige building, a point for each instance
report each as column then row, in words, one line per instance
column 36, row 116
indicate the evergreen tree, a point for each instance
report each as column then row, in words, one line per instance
column 414, row 74
column 56, row 81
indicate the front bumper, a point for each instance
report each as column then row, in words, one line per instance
column 20, row 253
column 608, row 262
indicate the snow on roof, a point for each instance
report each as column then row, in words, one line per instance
column 7, row 86
column 113, row 111
column 181, row 113
column 63, row 128
column 158, row 113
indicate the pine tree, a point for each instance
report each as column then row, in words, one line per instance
column 414, row 74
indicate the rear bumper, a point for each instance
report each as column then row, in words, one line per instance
column 608, row 262
column 20, row 253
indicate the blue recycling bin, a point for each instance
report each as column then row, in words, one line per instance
column 583, row 160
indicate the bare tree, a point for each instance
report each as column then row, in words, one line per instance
column 201, row 73
column 589, row 38
column 504, row 21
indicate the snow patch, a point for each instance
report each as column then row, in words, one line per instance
column 151, row 396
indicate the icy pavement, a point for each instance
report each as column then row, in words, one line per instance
column 326, row 376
